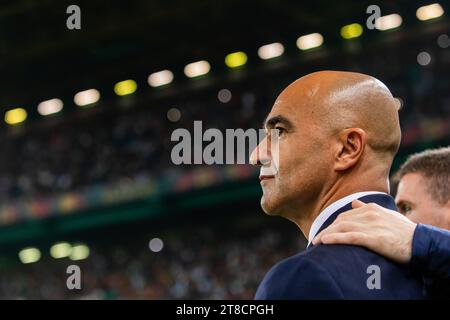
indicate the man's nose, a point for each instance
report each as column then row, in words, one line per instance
column 260, row 155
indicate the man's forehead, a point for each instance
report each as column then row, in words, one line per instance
column 409, row 186
column 295, row 100
column 280, row 111
column 303, row 88
column 288, row 108
column 299, row 95
column 412, row 179
column 284, row 106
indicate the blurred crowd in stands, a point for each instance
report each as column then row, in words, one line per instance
column 195, row 263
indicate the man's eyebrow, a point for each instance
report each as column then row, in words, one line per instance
column 271, row 122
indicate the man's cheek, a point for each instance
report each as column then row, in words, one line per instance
column 281, row 157
column 417, row 218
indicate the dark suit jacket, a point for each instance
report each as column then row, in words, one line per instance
column 341, row 271
column 431, row 258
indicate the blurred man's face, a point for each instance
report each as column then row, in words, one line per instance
column 301, row 151
column 415, row 202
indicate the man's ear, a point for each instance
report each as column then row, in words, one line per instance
column 352, row 142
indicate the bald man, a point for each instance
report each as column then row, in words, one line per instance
column 337, row 134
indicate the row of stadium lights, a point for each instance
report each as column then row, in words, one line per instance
column 233, row 60
column 74, row 252
column 57, row 251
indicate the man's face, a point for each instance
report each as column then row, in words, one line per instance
column 301, row 152
column 415, row 202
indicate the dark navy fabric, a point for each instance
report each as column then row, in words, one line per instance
column 341, row 271
column 431, row 257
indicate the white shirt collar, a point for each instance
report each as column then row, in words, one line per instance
column 332, row 208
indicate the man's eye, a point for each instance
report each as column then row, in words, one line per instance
column 280, row 130
column 405, row 209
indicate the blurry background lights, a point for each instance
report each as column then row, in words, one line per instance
column 388, row 22
column 125, row 87
column 224, row 95
column 430, row 11
column 160, row 78
column 197, row 69
column 60, row 250
column 236, row 59
column 423, row 58
column 351, row 31
column 29, row 255
column 49, row 107
column 79, row 252
column 86, row 97
column 15, row 116
column 270, row 51
column 443, row 41
column 156, row 245
column 309, row 41
column 173, row 115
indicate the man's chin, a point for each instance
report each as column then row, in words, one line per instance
column 269, row 207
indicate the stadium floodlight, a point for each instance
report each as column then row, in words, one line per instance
column 79, row 252
column 388, row 22
column 160, row 78
column 86, row 97
column 428, row 12
column 197, row 69
column 60, row 250
column 270, row 51
column 15, row 116
column 351, row 31
column 49, row 107
column 309, row 41
column 236, row 59
column 29, row 255
column 125, row 87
